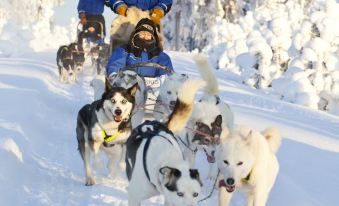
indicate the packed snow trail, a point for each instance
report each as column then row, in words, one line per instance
column 38, row 118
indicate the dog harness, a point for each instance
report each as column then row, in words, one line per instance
column 205, row 135
column 187, row 144
column 139, row 135
column 108, row 139
column 149, row 135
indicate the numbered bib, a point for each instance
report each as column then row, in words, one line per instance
column 152, row 82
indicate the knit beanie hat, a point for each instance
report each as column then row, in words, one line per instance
column 145, row 25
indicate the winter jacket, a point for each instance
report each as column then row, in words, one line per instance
column 165, row 5
column 121, row 58
column 92, row 7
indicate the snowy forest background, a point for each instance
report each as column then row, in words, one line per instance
column 288, row 48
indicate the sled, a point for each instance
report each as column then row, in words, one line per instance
column 92, row 46
column 152, row 85
column 97, row 50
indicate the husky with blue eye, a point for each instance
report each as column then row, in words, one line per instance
column 105, row 124
column 155, row 163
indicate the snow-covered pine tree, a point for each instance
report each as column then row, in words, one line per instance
column 188, row 25
column 31, row 21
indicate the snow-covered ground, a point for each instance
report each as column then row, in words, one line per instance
column 40, row 165
column 39, row 162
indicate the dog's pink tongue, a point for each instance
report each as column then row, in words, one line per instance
column 117, row 118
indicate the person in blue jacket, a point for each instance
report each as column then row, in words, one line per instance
column 90, row 15
column 157, row 8
column 143, row 47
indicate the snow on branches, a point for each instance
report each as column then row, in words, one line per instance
column 30, row 22
column 290, row 48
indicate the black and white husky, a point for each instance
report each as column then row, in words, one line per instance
column 78, row 56
column 154, row 160
column 209, row 117
column 126, row 79
column 104, row 124
column 65, row 64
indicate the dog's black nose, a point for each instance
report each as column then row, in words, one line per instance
column 118, row 112
column 230, row 181
column 172, row 103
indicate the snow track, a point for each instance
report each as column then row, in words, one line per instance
column 38, row 115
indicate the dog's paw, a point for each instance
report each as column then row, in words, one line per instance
column 90, row 181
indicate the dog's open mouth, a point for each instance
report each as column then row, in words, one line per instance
column 117, row 118
column 210, row 158
column 229, row 188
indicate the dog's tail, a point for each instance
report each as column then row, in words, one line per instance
column 207, row 74
column 184, row 105
column 273, row 137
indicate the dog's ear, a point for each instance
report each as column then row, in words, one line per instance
column 248, row 138
column 169, row 177
column 133, row 90
column 108, row 86
column 218, row 120
column 194, row 173
column 224, row 135
column 169, row 171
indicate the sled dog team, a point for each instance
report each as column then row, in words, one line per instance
column 160, row 154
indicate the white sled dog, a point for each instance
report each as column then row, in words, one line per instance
column 155, row 162
column 247, row 160
column 168, row 95
column 210, row 116
column 105, row 125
